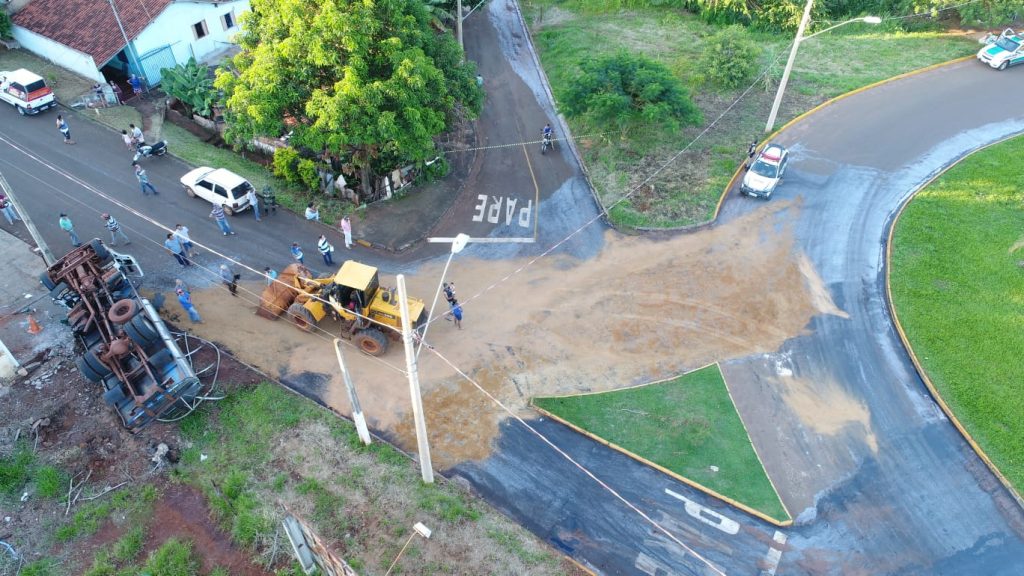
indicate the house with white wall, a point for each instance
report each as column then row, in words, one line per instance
column 110, row 39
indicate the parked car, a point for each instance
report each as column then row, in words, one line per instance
column 1002, row 51
column 218, row 186
column 764, row 175
column 26, row 91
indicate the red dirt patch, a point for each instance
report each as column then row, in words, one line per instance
column 181, row 512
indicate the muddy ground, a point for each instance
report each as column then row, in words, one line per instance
column 558, row 326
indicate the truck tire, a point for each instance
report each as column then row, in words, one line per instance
column 301, row 317
column 141, row 330
column 87, row 371
column 372, row 341
column 122, row 311
column 114, row 396
column 93, row 361
column 20, row 109
column 60, row 291
column 101, row 251
column 46, row 281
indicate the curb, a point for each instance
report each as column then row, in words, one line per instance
column 697, row 486
column 932, row 390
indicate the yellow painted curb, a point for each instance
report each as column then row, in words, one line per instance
column 826, row 104
column 662, row 469
column 906, row 343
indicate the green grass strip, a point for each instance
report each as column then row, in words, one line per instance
column 685, row 425
column 956, row 285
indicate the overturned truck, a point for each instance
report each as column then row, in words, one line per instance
column 127, row 347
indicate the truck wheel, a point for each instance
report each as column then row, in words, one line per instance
column 1004, row 65
column 46, row 281
column 123, row 311
column 93, row 361
column 101, row 251
column 60, row 291
column 301, row 317
column 86, row 370
column 141, row 330
column 20, row 109
column 372, row 342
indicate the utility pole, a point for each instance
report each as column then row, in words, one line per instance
column 426, row 468
column 789, row 66
column 458, row 25
column 357, row 410
column 48, row 258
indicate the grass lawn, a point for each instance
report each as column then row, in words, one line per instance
column 687, row 191
column 956, row 273
column 686, row 425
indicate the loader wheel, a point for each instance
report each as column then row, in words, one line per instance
column 123, row 311
column 301, row 317
column 372, row 342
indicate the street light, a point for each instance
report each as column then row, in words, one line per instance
column 458, row 243
column 792, row 55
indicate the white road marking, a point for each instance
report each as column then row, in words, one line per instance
column 774, row 555
column 706, row 515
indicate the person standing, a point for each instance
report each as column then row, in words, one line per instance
column 312, row 213
column 173, row 246
column 143, row 179
column 129, row 142
column 181, row 233
column 254, row 202
column 67, row 226
column 229, row 278
column 222, row 220
column 271, row 275
column 269, row 200
column 326, row 250
column 7, row 207
column 65, row 130
column 346, row 229
column 297, row 253
column 179, row 284
column 117, row 92
column 137, row 137
column 136, row 84
column 457, row 314
column 185, row 299
column 114, row 228
column 449, row 294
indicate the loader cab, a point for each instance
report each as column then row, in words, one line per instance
column 358, row 283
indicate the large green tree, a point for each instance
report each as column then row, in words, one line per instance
column 364, row 79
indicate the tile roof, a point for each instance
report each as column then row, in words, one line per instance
column 89, row 25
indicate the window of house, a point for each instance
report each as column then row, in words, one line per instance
column 228, row 20
column 200, row 29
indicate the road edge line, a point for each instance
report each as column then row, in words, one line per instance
column 906, row 342
column 695, row 485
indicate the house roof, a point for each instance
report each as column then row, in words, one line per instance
column 89, row 26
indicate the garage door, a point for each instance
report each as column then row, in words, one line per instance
column 155, row 61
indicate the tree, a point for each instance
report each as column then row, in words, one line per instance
column 191, row 84
column 361, row 79
column 624, row 88
column 5, row 24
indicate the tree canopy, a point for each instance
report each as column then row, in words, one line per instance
column 625, row 87
column 359, row 78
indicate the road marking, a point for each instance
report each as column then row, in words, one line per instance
column 445, row 240
column 774, row 555
column 706, row 515
column 536, row 190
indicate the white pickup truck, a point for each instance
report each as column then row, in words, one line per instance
column 26, row 91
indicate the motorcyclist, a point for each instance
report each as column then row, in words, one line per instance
column 547, row 131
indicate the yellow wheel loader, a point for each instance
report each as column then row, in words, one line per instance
column 352, row 296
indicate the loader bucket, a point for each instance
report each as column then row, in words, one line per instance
column 277, row 297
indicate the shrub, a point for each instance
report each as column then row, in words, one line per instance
column 625, row 87
column 308, row 175
column 173, row 558
column 5, row 24
column 730, row 57
column 191, row 84
column 286, row 161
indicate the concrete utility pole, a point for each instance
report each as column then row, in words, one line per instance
column 789, row 66
column 458, row 24
column 357, row 410
column 48, row 258
column 426, row 468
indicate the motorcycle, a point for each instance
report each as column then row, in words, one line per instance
column 546, row 144
column 143, row 150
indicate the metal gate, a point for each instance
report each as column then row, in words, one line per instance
column 154, row 61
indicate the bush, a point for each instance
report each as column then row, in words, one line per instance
column 286, row 161
column 308, row 175
column 625, row 87
column 173, row 558
column 5, row 24
column 730, row 58
column 191, row 84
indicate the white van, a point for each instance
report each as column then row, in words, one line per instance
column 26, row 91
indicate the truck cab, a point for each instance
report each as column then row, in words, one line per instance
column 26, row 91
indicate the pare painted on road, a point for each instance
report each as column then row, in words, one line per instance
column 495, row 209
